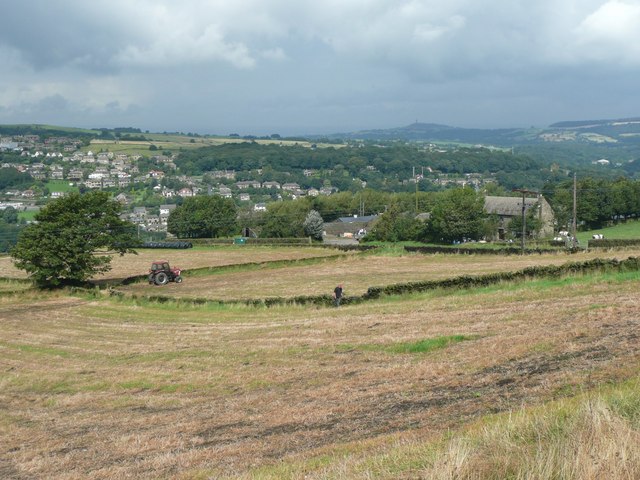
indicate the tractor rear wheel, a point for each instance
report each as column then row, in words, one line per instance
column 161, row 278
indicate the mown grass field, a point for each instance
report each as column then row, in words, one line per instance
column 138, row 264
column 356, row 272
column 483, row 383
column 174, row 143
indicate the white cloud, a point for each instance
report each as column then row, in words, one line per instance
column 611, row 33
column 179, row 46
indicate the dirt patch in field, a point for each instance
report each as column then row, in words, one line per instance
column 111, row 390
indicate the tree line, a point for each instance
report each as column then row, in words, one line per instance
column 383, row 167
column 60, row 248
column 455, row 214
column 599, row 202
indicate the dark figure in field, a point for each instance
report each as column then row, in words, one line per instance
column 337, row 295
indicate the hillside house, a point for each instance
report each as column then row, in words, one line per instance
column 103, row 158
column 228, row 174
column 152, row 223
column 123, row 199
column 507, row 208
column 291, row 187
column 93, row 183
column 225, row 192
column 75, row 174
column 56, row 172
column 167, row 209
column 247, row 184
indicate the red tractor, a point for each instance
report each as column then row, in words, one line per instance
column 161, row 273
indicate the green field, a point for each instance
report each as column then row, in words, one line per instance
column 627, row 230
column 61, row 186
column 175, row 143
column 27, row 215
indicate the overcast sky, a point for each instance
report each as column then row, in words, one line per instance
column 321, row 66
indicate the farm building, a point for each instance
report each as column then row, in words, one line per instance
column 349, row 226
column 507, row 208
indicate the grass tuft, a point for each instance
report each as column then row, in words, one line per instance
column 421, row 346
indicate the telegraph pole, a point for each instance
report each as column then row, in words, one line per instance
column 416, row 178
column 524, row 218
column 574, row 223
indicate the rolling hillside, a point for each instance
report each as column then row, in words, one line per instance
column 617, row 132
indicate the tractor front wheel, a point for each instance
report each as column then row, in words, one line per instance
column 161, row 278
column 178, row 279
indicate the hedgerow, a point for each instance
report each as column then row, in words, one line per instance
column 480, row 251
column 611, row 243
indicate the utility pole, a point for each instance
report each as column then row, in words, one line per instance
column 416, row 179
column 524, row 218
column 574, row 223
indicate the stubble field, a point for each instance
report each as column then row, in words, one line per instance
column 356, row 272
column 138, row 264
column 97, row 387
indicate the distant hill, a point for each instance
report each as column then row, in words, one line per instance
column 442, row 133
column 595, row 123
column 595, row 132
column 621, row 135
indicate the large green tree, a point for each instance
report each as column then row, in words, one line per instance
column 203, row 217
column 394, row 225
column 459, row 214
column 285, row 219
column 70, row 241
column 313, row 225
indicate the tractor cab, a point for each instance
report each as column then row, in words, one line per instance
column 161, row 273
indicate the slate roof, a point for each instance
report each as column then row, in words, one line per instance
column 507, row 206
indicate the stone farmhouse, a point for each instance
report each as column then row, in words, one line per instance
column 507, row 208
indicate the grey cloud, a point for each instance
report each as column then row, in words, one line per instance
column 164, row 64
